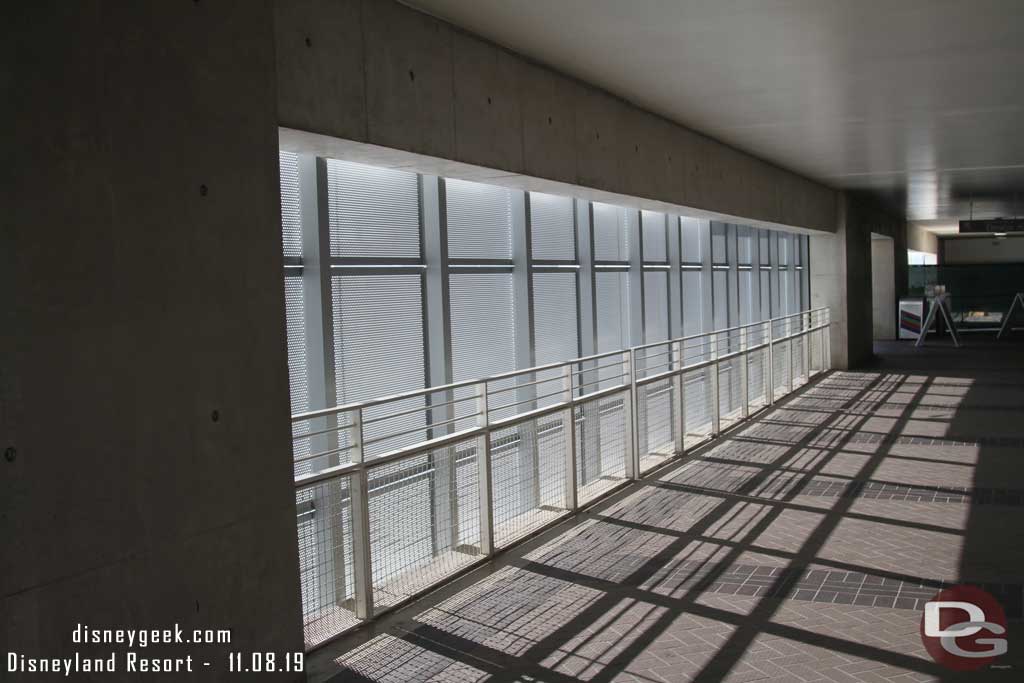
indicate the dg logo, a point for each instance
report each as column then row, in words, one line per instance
column 963, row 627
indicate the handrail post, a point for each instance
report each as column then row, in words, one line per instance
column 362, row 562
column 570, row 432
column 483, row 464
column 679, row 405
column 806, row 318
column 744, row 370
column 770, row 368
column 630, row 403
column 828, row 339
column 716, row 424
column 789, row 351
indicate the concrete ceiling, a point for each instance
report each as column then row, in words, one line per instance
column 919, row 101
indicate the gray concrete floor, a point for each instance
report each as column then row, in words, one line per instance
column 800, row 547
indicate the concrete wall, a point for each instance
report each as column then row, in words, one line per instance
column 147, row 477
column 380, row 73
column 1009, row 249
column 841, row 274
column 883, row 285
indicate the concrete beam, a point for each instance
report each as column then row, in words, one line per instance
column 432, row 89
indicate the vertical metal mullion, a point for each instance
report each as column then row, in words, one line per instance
column 675, row 286
column 525, row 344
column 770, row 371
column 483, row 460
column 716, row 425
column 590, row 459
column 434, row 225
column 744, row 371
column 789, row 352
column 637, row 324
column 318, row 319
column 362, row 561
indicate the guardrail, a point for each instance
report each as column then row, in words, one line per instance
column 398, row 494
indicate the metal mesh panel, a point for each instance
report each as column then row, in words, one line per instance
column 291, row 219
column 690, row 235
column 730, row 392
column 372, row 212
column 611, row 232
column 424, row 521
column 814, row 341
column 555, row 317
column 757, row 362
column 655, row 306
column 799, row 371
column 780, row 367
column 697, row 386
column 612, row 301
column 656, row 424
column 324, row 522
column 552, row 227
column 528, row 476
column 693, row 302
column 378, row 346
column 655, row 237
column 479, row 220
column 601, row 446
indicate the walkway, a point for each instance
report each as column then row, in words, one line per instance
column 799, row 548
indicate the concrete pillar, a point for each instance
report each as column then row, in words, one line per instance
column 143, row 366
column 841, row 274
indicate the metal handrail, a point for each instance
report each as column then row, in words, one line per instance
column 349, row 407
column 482, row 424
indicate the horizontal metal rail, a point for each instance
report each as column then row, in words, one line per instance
column 564, row 441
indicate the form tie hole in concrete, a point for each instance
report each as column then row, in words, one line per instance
column 309, row 42
column 597, row 135
column 549, row 121
column 488, row 100
column 215, row 416
column 412, row 75
column 203, row 190
column 636, row 148
column 10, row 454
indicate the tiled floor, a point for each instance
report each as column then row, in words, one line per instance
column 798, row 548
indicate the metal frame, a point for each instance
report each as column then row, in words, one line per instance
column 345, row 464
column 350, row 417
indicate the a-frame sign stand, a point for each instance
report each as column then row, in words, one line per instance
column 938, row 303
column 1017, row 303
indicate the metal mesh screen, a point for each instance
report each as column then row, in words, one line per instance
column 780, row 368
column 324, row 521
column 611, row 232
column 757, row 363
column 479, row 220
column 291, row 219
column 552, row 227
column 655, row 237
column 601, row 446
column 697, row 386
column 372, row 212
column 730, row 392
column 379, row 351
column 528, row 476
column 424, row 520
column 555, row 317
column 655, row 403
